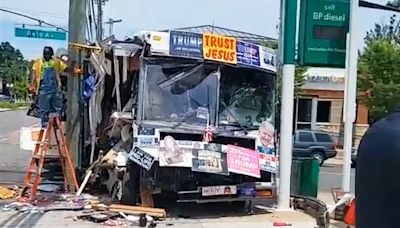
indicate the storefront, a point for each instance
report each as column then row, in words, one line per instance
column 320, row 104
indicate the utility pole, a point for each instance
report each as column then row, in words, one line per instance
column 287, row 57
column 350, row 95
column 77, row 31
column 111, row 24
column 99, row 20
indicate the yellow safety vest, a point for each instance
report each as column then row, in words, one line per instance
column 39, row 65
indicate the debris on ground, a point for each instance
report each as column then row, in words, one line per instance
column 137, row 210
column 7, row 193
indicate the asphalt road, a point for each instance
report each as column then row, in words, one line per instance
column 331, row 177
column 13, row 160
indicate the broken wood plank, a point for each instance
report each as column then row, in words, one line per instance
column 124, row 69
column 133, row 212
column 117, row 82
column 138, row 208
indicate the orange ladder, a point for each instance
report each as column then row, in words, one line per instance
column 35, row 168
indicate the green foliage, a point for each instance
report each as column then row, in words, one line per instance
column 384, row 31
column 11, row 105
column 14, row 68
column 299, row 77
column 379, row 68
column 379, row 76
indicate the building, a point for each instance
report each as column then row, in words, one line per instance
column 320, row 104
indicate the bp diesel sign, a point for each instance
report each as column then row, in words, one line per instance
column 323, row 28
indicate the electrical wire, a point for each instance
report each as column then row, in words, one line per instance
column 33, row 18
column 29, row 11
column 94, row 16
column 89, row 20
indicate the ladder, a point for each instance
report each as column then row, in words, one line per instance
column 35, row 168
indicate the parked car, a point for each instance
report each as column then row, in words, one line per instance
column 5, row 97
column 314, row 144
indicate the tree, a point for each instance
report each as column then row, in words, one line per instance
column 379, row 77
column 379, row 70
column 14, row 68
column 299, row 74
column 385, row 31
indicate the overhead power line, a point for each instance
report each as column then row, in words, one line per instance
column 33, row 18
column 37, row 12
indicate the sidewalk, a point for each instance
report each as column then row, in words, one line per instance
column 64, row 219
column 8, row 109
column 334, row 161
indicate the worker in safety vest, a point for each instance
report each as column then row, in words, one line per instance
column 46, row 84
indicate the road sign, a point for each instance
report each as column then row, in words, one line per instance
column 323, row 28
column 40, row 34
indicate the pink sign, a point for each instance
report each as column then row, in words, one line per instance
column 243, row 161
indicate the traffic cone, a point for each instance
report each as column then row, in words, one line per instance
column 350, row 216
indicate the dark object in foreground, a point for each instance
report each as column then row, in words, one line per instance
column 313, row 207
column 377, row 186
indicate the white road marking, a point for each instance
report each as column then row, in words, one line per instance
column 336, row 174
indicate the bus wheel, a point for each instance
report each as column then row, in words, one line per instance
column 130, row 185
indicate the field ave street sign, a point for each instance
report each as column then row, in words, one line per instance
column 40, row 34
column 324, row 25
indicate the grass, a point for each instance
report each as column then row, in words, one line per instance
column 11, row 105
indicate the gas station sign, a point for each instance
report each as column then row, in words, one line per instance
column 324, row 25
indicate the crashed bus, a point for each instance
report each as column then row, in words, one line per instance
column 203, row 113
column 181, row 113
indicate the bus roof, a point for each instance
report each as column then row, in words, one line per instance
column 209, row 47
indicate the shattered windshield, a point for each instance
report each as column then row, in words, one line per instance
column 180, row 92
column 247, row 97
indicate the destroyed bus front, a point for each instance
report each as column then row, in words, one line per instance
column 202, row 129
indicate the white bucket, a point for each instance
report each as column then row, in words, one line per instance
column 29, row 137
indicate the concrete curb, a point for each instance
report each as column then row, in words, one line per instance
column 8, row 109
column 334, row 161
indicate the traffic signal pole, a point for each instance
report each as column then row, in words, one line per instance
column 287, row 50
column 350, row 95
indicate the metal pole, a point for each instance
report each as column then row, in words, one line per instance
column 350, row 98
column 77, row 29
column 99, row 20
column 111, row 25
column 288, row 38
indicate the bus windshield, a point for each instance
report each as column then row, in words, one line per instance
column 180, row 92
column 247, row 97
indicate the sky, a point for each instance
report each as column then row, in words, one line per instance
column 254, row 16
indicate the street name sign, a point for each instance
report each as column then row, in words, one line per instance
column 324, row 25
column 40, row 34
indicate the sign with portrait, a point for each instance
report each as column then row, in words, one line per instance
column 268, row 59
column 174, row 153
column 266, row 135
column 208, row 161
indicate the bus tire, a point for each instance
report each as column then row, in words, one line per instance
column 130, row 185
